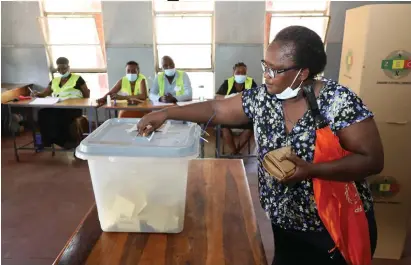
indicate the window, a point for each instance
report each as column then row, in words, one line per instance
column 164, row 6
column 191, row 49
column 75, row 31
column 202, row 84
column 311, row 14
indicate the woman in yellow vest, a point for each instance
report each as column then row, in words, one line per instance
column 55, row 123
column 232, row 86
column 132, row 86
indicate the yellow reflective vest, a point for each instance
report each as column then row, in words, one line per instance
column 126, row 86
column 247, row 85
column 179, row 83
column 68, row 90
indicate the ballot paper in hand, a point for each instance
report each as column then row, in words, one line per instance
column 133, row 130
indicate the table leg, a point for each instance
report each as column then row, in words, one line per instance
column 13, row 134
column 89, row 117
column 97, row 122
column 217, row 141
column 33, row 130
column 202, row 142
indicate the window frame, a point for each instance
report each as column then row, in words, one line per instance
column 172, row 13
column 270, row 14
column 98, row 20
column 97, row 16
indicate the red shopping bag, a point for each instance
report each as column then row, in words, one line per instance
column 339, row 205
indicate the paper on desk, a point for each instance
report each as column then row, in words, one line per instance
column 155, row 103
column 183, row 103
column 231, row 95
column 119, row 101
column 45, row 101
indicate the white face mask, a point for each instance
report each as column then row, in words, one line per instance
column 131, row 77
column 170, row 72
column 240, row 79
column 289, row 92
column 65, row 74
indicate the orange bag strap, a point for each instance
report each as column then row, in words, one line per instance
column 320, row 121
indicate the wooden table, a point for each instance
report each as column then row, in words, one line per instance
column 220, row 227
column 146, row 106
column 83, row 103
column 12, row 91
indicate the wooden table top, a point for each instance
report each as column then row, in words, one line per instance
column 220, row 227
column 144, row 106
column 68, row 103
column 12, row 91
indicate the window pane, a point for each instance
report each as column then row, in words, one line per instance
column 202, row 84
column 97, row 83
column 317, row 24
column 187, row 56
column 73, row 6
column 80, row 57
column 188, row 29
column 183, row 5
column 292, row 5
column 66, row 30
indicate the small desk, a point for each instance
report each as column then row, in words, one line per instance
column 84, row 103
column 220, row 227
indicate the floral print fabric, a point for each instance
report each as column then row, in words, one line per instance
column 294, row 208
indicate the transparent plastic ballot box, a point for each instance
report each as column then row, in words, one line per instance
column 140, row 183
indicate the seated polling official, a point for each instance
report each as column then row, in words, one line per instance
column 232, row 86
column 56, row 125
column 171, row 85
column 133, row 86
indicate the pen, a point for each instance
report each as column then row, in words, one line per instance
column 32, row 92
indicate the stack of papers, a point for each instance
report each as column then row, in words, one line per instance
column 45, row 101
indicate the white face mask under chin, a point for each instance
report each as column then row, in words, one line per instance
column 289, row 92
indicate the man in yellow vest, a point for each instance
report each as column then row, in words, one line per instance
column 131, row 87
column 171, row 85
column 231, row 87
column 55, row 123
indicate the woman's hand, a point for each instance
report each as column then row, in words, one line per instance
column 302, row 170
column 118, row 97
column 151, row 122
column 101, row 101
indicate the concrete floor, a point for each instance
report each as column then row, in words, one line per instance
column 44, row 198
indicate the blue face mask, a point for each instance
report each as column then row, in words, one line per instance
column 65, row 74
column 131, row 77
column 170, row 72
column 240, row 79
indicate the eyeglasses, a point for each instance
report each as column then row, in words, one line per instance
column 273, row 73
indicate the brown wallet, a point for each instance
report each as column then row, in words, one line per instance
column 277, row 164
